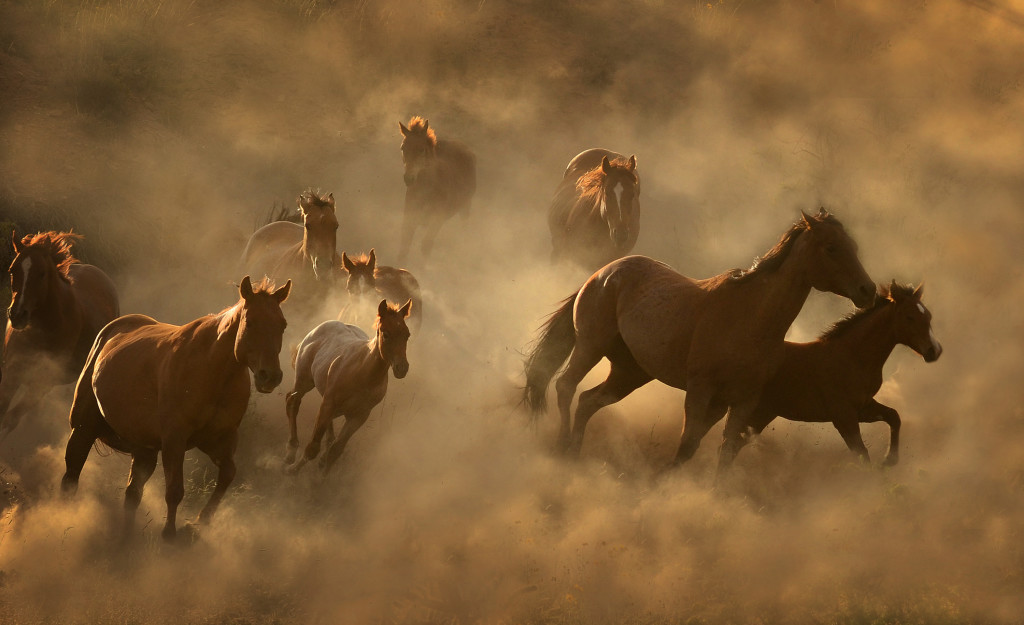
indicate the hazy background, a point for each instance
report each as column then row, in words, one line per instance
column 166, row 131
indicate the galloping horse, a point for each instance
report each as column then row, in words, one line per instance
column 57, row 307
column 285, row 250
column 440, row 180
column 151, row 387
column 595, row 214
column 836, row 377
column 720, row 339
column 367, row 279
column 350, row 371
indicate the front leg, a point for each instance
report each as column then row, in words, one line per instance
column 701, row 414
column 352, row 423
column 874, row 412
column 172, row 454
column 223, row 455
column 328, row 411
column 738, row 430
column 849, row 428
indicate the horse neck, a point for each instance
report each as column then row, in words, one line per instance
column 781, row 295
column 374, row 363
column 871, row 340
column 221, row 330
column 59, row 305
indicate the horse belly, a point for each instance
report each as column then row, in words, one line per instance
column 125, row 385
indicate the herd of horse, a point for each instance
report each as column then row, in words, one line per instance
column 152, row 389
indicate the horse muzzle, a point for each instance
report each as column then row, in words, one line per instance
column 864, row 295
column 620, row 236
column 400, row 369
column 933, row 352
column 19, row 318
column 267, row 380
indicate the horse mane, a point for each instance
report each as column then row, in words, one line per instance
column 419, row 124
column 592, row 182
column 774, row 257
column 58, row 246
column 885, row 297
column 227, row 316
column 309, row 197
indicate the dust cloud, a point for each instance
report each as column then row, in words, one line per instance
column 164, row 132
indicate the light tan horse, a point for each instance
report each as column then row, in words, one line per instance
column 284, row 250
column 368, row 282
column 151, row 387
column 57, row 307
column 440, row 180
column 350, row 370
column 835, row 378
column 595, row 214
column 720, row 339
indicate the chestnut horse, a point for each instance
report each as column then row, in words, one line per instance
column 367, row 279
column 440, row 180
column 350, row 370
column 151, row 387
column 836, row 377
column 595, row 214
column 285, row 250
column 720, row 339
column 57, row 307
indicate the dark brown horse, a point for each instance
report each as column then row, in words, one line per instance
column 57, row 307
column 284, row 250
column 350, row 370
column 835, row 378
column 720, row 339
column 440, row 180
column 151, row 387
column 595, row 215
column 368, row 282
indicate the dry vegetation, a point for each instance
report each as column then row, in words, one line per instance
column 163, row 131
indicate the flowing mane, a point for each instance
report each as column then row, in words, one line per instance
column 58, row 246
column 419, row 125
column 592, row 182
column 885, row 297
column 774, row 257
column 309, row 197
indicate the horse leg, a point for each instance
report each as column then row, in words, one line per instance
column 143, row 465
column 737, row 434
column 352, row 423
column 172, row 453
column 29, row 402
column 223, row 455
column 581, row 361
column 409, row 225
column 625, row 377
column 326, row 414
column 701, row 413
column 430, row 235
column 874, row 412
column 85, row 422
column 849, row 429
column 292, row 401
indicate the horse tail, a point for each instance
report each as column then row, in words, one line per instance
column 558, row 337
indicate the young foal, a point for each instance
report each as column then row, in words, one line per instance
column 369, row 281
column 57, row 307
column 595, row 214
column 350, row 371
column 440, row 180
column 151, row 387
column 836, row 377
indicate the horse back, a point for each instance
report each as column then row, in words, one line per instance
column 325, row 344
column 273, row 249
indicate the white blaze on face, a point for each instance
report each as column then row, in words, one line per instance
column 921, row 307
column 25, row 266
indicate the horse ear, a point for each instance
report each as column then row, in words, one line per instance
column 606, row 165
column 281, row 294
column 426, row 125
column 245, row 288
column 382, row 308
column 330, row 199
column 407, row 309
column 405, row 131
column 373, row 258
column 346, row 263
column 919, row 291
column 808, row 220
column 893, row 288
column 631, row 166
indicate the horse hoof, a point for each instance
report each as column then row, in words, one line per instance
column 289, row 458
column 890, row 461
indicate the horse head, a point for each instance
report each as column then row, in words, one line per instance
column 321, row 232
column 832, row 263
column 620, row 198
column 361, row 277
column 393, row 336
column 39, row 260
column 912, row 321
column 419, row 146
column 260, row 330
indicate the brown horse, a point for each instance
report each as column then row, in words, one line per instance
column 369, row 281
column 720, row 339
column 57, row 307
column 285, row 250
column 151, row 387
column 350, row 371
column 836, row 377
column 440, row 180
column 595, row 214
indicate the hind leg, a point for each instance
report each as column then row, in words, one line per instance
column 86, row 426
column 581, row 361
column 143, row 465
column 702, row 412
column 352, row 424
column 737, row 434
column 625, row 377
column 223, row 455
